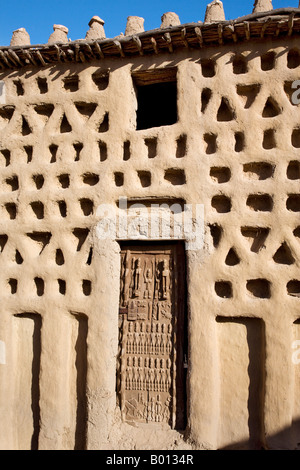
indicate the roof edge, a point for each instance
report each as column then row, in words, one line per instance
column 256, row 26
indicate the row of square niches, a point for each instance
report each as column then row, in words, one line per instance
column 59, row 209
column 269, row 141
column 51, row 154
column 256, row 288
column 100, row 78
column 71, row 83
column 221, row 203
column 38, row 286
column 174, row 176
column 260, row 171
column 210, row 139
column 37, row 181
column 256, row 202
column 219, row 174
column 259, row 288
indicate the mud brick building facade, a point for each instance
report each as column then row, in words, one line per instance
column 140, row 341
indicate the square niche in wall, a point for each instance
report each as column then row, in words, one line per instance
column 156, row 92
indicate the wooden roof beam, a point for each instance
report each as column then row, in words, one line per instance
column 41, row 58
column 58, row 51
column 220, row 33
column 119, row 47
column 138, row 44
column 167, row 38
column 184, row 37
column 247, row 30
column 98, row 49
column 264, row 27
column 231, row 28
column 154, row 45
column 291, row 23
column 198, row 33
column 90, row 50
column 4, row 58
column 11, row 57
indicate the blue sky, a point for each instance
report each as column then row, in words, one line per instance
column 38, row 16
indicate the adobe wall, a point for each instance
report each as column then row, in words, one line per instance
column 61, row 160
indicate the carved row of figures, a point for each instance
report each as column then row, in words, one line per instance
column 145, row 278
column 148, row 374
column 148, row 409
column 149, row 338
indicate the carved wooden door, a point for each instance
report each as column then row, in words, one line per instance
column 152, row 340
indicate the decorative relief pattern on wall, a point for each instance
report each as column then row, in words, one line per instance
column 237, row 152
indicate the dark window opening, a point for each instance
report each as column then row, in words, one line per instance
column 157, row 98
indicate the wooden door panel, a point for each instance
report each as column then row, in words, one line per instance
column 150, row 375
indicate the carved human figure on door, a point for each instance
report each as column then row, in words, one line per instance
column 137, row 278
column 124, row 279
column 129, row 374
column 158, row 410
column 136, row 338
column 148, row 278
column 168, row 373
column 141, row 348
column 163, row 342
column 157, row 280
column 129, row 338
column 165, row 279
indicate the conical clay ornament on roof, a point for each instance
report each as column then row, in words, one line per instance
column 135, row 25
column 20, row 37
column 262, row 5
column 60, row 34
column 96, row 30
column 169, row 19
column 214, row 12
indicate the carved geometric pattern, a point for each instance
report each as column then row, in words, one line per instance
column 79, row 117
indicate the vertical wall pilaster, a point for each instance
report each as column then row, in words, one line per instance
column 203, row 367
column 103, row 345
column 56, row 394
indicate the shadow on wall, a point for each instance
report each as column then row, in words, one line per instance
column 27, row 385
column 286, row 439
column 242, row 350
